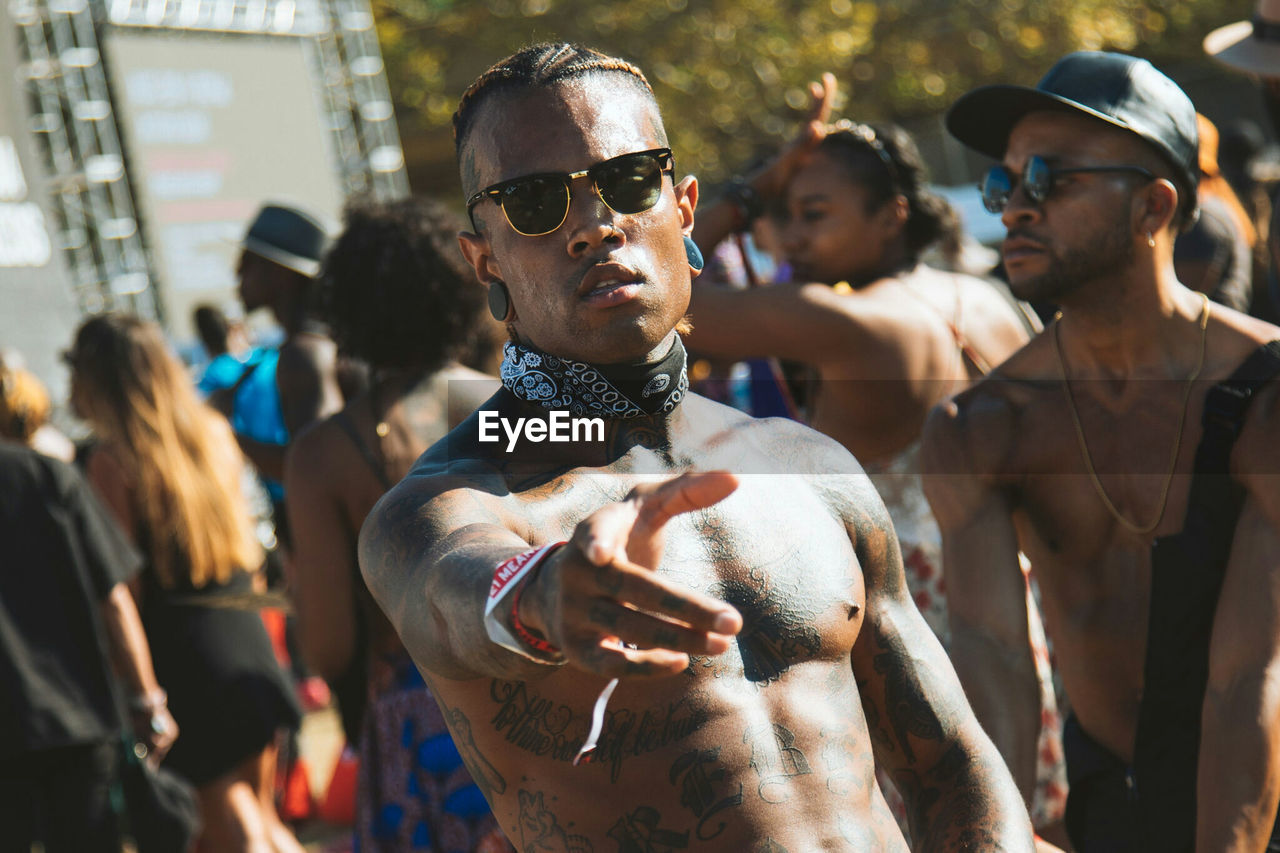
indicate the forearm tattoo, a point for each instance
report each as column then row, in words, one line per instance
column 911, row 710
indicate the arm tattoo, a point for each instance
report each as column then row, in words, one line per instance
column 911, row 711
column 962, row 820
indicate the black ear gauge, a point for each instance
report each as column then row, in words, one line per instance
column 499, row 301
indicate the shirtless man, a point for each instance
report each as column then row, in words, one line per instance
column 888, row 337
column 1078, row 450
column 760, row 625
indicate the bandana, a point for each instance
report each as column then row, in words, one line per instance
column 609, row 391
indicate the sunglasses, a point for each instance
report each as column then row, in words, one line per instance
column 539, row 204
column 998, row 185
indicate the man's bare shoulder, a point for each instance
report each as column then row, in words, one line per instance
column 748, row 445
column 979, row 428
column 783, row 447
column 1255, row 460
column 307, row 347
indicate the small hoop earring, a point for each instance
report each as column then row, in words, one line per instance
column 1151, row 240
column 499, row 301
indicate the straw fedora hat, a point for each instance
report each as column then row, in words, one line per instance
column 1253, row 45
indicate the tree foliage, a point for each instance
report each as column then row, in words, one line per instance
column 731, row 74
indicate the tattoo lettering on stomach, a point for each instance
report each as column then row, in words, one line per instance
column 843, row 756
column 639, row 832
column 546, row 728
column 540, row 829
column 777, row 760
column 705, row 788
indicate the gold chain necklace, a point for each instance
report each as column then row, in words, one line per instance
column 1139, row 529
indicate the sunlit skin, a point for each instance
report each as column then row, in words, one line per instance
column 1015, row 480
column 626, row 274
column 884, row 353
column 757, row 684
column 833, row 232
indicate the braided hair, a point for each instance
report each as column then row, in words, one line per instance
column 886, row 162
column 538, row 66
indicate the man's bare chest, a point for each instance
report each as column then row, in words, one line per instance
column 773, row 549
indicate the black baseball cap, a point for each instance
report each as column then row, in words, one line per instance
column 1122, row 90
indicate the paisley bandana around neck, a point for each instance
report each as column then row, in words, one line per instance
column 590, row 390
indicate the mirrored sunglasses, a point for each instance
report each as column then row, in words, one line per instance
column 1038, row 177
column 539, row 204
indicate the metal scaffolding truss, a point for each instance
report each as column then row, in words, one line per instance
column 73, row 117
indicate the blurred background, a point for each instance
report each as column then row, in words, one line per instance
column 137, row 137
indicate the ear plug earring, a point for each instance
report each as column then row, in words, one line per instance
column 499, row 301
column 694, row 254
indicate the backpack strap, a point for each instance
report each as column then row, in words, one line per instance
column 1187, row 570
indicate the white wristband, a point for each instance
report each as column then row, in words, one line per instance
column 505, row 579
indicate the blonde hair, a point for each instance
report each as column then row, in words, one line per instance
column 24, row 404
column 185, row 462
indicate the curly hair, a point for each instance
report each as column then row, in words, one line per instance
column 394, row 288
column 885, row 160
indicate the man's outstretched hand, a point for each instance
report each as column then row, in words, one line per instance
column 599, row 600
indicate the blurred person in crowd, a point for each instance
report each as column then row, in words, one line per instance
column 888, row 336
column 1130, row 452
column 296, row 384
column 168, row 469
column 1215, row 255
column 1240, row 145
column 226, row 345
column 396, row 294
column 1253, row 47
column 748, row 644
column 63, row 591
column 24, row 412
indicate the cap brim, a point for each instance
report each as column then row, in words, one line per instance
column 306, row 266
column 984, row 118
column 1234, row 45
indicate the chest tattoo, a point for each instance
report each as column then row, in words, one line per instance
column 779, row 623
